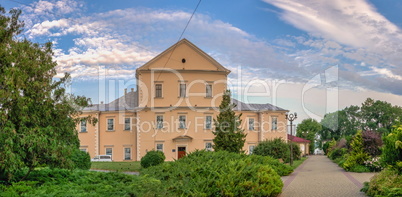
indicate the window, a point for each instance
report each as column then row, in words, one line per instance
column 208, row 90
column 159, row 122
column 251, row 124
column 127, row 124
column 182, row 122
column 274, row 123
column 83, row 149
column 208, row 146
column 251, row 149
column 159, row 147
column 83, row 126
column 208, row 122
column 110, row 124
column 182, row 90
column 109, row 151
column 158, row 90
column 127, row 153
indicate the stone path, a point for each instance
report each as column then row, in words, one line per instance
column 319, row 176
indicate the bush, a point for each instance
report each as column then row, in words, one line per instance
column 372, row 142
column 152, row 158
column 205, row 173
column 81, row 160
column 392, row 150
column 296, row 150
column 357, row 156
column 337, row 153
column 62, row 182
column 276, row 148
column 385, row 183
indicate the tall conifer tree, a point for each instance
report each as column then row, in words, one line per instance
column 228, row 134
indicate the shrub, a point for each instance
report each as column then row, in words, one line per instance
column 62, row 182
column 357, row 156
column 81, row 160
column 205, row 173
column 296, row 150
column 152, row 158
column 392, row 150
column 385, row 183
column 337, row 153
column 325, row 147
column 276, row 148
column 372, row 142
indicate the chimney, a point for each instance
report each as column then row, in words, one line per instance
column 125, row 91
column 132, row 89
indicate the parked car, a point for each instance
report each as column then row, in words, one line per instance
column 102, row 158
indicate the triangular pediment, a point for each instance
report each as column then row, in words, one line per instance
column 183, row 55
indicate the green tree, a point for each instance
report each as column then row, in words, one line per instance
column 357, row 155
column 379, row 115
column 37, row 117
column 308, row 129
column 392, row 149
column 228, row 136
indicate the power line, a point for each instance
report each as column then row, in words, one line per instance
column 181, row 35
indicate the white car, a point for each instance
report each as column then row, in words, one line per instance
column 102, row 158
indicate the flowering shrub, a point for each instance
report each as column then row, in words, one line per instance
column 374, row 164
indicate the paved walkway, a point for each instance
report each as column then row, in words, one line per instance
column 318, row 176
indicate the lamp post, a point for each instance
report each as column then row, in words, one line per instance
column 291, row 118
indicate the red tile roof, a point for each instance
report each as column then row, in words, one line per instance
column 297, row 139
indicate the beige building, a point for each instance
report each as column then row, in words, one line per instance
column 172, row 110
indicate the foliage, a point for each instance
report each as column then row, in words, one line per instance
column 152, row 158
column 374, row 164
column 337, row 153
column 62, row 182
column 37, row 118
column 371, row 115
column 308, row 129
column 329, row 146
column 385, row 183
column 206, row 173
column 228, row 135
column 132, row 166
column 357, row 155
column 325, row 147
column 81, row 160
column 296, row 150
column 372, row 142
column 392, row 150
column 276, row 148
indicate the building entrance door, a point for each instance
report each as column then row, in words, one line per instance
column 181, row 152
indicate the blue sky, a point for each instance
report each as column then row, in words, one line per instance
column 308, row 56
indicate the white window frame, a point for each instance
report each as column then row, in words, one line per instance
column 156, row 90
column 251, row 124
column 208, row 92
column 180, row 122
column 158, row 124
column 124, row 152
column 129, row 124
column 111, row 155
column 207, row 147
column 182, row 93
column 159, row 149
column 85, row 126
column 251, row 149
column 206, row 122
column 107, row 124
column 84, row 150
column 274, row 123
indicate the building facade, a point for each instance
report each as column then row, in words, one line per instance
column 172, row 110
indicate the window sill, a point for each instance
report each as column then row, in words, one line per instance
column 83, row 131
column 110, row 130
column 158, row 97
column 182, row 128
column 182, row 97
column 208, row 97
column 127, row 130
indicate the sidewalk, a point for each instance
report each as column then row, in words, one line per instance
column 319, row 176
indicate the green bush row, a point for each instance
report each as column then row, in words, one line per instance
column 62, row 182
column 278, row 149
column 204, row 173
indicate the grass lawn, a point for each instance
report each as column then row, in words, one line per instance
column 133, row 166
column 297, row 163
